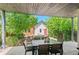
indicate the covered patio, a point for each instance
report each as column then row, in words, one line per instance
column 43, row 9
column 69, row 48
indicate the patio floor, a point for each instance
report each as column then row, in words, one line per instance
column 68, row 47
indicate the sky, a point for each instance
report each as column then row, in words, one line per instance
column 44, row 18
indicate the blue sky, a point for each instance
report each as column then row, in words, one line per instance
column 44, row 18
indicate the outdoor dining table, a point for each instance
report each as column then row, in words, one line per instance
column 36, row 43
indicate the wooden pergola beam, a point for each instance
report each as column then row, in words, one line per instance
column 78, row 32
column 72, row 33
column 3, row 28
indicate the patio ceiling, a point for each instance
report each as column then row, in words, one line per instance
column 46, row 9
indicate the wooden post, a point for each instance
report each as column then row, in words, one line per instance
column 72, row 33
column 78, row 32
column 3, row 28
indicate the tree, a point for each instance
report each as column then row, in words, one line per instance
column 59, row 26
column 17, row 23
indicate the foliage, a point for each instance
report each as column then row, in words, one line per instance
column 11, row 40
column 16, row 24
column 75, row 23
column 60, row 26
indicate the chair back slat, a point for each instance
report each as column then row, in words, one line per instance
column 43, row 49
column 24, row 45
column 56, row 46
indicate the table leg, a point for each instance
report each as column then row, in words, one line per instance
column 33, row 50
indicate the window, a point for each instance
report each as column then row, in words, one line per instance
column 40, row 30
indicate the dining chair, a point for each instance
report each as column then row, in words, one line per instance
column 78, row 50
column 27, row 48
column 43, row 49
column 56, row 48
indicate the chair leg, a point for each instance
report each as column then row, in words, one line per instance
column 51, row 53
column 25, row 52
column 35, row 52
column 61, row 53
column 55, row 53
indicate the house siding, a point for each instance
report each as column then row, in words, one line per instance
column 40, row 29
column 37, row 30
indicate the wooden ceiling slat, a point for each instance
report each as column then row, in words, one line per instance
column 48, row 9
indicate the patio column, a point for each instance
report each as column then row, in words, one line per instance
column 3, row 28
column 78, row 32
column 72, row 33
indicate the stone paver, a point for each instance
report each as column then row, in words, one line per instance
column 4, row 51
column 68, row 47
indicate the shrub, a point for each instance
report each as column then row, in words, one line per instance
column 11, row 41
